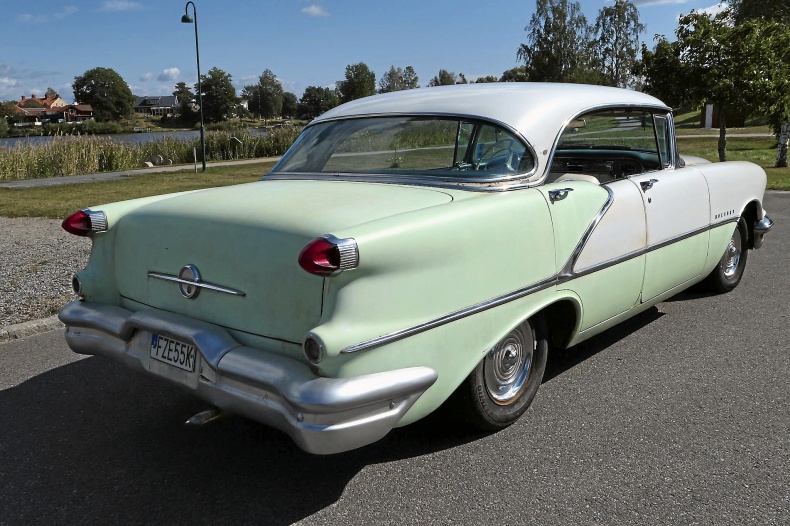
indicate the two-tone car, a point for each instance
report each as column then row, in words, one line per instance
column 413, row 249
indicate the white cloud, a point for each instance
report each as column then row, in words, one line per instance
column 714, row 9
column 169, row 74
column 315, row 10
column 645, row 3
column 41, row 19
column 120, row 5
column 147, row 77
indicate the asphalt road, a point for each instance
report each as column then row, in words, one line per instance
column 679, row 417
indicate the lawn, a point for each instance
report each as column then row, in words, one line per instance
column 57, row 202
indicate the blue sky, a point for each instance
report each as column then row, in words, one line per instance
column 304, row 42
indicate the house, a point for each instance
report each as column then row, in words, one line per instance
column 155, row 106
column 35, row 111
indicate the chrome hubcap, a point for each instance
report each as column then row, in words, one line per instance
column 732, row 255
column 507, row 366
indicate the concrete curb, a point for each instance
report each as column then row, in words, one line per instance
column 29, row 328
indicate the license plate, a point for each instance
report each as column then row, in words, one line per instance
column 174, row 352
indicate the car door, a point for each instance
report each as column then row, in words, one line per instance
column 677, row 212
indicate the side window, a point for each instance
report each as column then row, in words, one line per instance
column 612, row 144
column 664, row 141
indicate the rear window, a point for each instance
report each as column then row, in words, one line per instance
column 444, row 147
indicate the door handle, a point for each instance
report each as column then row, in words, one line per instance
column 647, row 185
column 559, row 195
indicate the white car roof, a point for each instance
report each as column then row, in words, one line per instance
column 537, row 110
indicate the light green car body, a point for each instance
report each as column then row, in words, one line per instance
column 444, row 272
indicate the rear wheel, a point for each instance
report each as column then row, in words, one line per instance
column 504, row 383
column 729, row 271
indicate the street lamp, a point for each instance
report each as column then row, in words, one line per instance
column 186, row 19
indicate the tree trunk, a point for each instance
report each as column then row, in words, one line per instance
column 722, row 135
column 781, row 150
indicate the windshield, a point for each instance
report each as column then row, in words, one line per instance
column 442, row 147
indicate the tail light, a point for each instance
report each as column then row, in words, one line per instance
column 85, row 222
column 328, row 255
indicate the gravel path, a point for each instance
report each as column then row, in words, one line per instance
column 37, row 259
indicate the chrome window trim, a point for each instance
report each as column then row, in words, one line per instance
column 565, row 275
column 432, row 181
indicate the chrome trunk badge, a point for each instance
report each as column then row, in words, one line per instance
column 190, row 282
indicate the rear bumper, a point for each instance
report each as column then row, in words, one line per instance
column 322, row 415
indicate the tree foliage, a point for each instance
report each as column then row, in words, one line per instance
column 316, row 101
column 486, row 79
column 186, row 101
column 360, row 82
column 777, row 10
column 446, row 78
column 518, row 74
column 397, row 79
column 106, row 92
column 51, row 93
column 617, row 31
column 559, row 43
column 271, row 95
column 219, row 95
column 289, row 105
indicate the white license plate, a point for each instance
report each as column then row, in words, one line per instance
column 174, row 352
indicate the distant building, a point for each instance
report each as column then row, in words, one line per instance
column 156, row 106
column 35, row 111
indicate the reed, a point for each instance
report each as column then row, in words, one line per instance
column 75, row 155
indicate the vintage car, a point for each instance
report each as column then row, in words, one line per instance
column 413, row 249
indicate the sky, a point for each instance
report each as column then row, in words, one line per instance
column 304, row 42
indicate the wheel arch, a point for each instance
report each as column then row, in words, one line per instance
column 751, row 214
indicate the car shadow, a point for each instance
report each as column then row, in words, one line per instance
column 92, row 442
column 561, row 360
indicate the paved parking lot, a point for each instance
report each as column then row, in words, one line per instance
column 679, row 416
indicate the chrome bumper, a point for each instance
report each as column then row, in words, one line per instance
column 322, row 415
column 760, row 229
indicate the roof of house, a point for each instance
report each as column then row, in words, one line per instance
column 164, row 101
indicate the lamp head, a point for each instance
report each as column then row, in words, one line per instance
column 186, row 19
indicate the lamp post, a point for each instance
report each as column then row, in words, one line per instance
column 186, row 19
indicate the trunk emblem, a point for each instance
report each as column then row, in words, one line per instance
column 189, row 273
column 190, row 282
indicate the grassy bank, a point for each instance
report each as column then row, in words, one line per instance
column 56, row 202
column 76, row 155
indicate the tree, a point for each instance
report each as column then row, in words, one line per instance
column 51, row 93
column 559, row 43
column 360, row 82
column 487, row 78
column 397, row 79
column 3, row 127
column 444, row 78
column 106, row 92
column 742, row 68
column 289, row 105
column 518, row 74
column 777, row 10
column 186, row 100
column 270, row 99
column 617, row 31
column 316, row 101
column 772, row 11
column 219, row 95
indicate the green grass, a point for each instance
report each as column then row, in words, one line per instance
column 57, row 202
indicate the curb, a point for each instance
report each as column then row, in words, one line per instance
column 29, row 328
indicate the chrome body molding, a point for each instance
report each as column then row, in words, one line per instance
column 185, row 284
column 565, row 275
column 761, row 228
column 322, row 415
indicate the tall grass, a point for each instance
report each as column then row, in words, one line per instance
column 75, row 155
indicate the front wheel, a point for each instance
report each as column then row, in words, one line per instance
column 504, row 383
column 729, row 271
